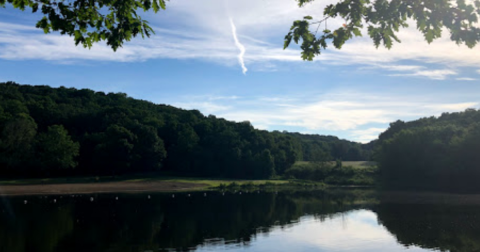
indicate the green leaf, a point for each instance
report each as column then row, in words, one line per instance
column 357, row 32
column 163, row 4
column 288, row 40
column 35, row 7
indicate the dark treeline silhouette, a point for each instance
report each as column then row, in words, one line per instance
column 432, row 153
column 62, row 131
column 320, row 148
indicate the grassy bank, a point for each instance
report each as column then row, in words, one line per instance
column 353, row 164
column 358, row 173
column 303, row 175
column 138, row 178
column 127, row 184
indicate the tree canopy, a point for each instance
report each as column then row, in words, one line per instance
column 91, row 21
column 432, row 153
column 383, row 20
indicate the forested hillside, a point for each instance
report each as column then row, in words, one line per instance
column 48, row 131
column 319, row 148
column 432, row 153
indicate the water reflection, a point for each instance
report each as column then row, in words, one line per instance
column 353, row 220
column 436, row 227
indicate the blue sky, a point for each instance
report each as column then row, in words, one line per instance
column 193, row 62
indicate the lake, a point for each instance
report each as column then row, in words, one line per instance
column 333, row 220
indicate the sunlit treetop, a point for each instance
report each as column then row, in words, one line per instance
column 91, row 21
column 384, row 18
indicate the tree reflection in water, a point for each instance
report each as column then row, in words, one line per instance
column 182, row 223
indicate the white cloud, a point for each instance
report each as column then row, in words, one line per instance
column 399, row 68
column 334, row 115
column 431, row 74
column 465, row 79
column 232, row 97
column 415, row 70
column 453, row 106
column 205, row 107
column 366, row 135
column 347, row 114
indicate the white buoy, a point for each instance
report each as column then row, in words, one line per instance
column 91, row 199
column 205, row 195
column 116, row 198
column 148, row 197
column 25, row 202
column 240, row 193
column 223, row 194
column 173, row 195
column 189, row 195
column 54, row 201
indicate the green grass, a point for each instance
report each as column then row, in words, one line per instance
column 352, row 173
column 354, row 164
column 209, row 182
column 46, row 181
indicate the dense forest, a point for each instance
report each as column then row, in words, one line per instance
column 319, row 148
column 62, row 131
column 432, row 153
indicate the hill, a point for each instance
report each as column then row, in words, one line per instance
column 432, row 153
column 62, row 131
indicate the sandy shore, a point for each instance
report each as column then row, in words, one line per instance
column 102, row 187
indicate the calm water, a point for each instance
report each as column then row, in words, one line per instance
column 292, row 221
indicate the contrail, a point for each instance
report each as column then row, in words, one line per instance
column 240, row 47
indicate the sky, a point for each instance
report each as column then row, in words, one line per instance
column 226, row 58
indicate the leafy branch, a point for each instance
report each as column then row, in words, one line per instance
column 384, row 18
column 91, row 21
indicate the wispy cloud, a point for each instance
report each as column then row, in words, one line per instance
column 454, row 106
column 366, row 135
column 399, row 68
column 465, row 79
column 356, row 116
column 207, row 108
column 416, row 70
column 431, row 74
column 240, row 47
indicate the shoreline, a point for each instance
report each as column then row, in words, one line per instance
column 100, row 187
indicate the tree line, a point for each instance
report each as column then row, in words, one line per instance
column 62, row 131
column 432, row 153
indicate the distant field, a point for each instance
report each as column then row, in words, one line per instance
column 354, row 164
column 211, row 182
